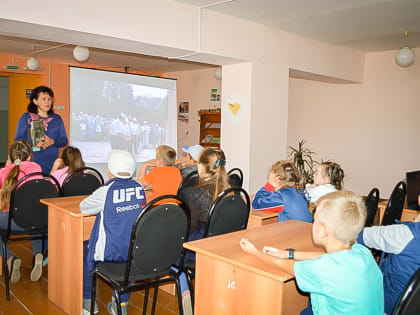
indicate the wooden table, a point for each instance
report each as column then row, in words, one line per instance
column 407, row 214
column 261, row 217
column 67, row 229
column 229, row 281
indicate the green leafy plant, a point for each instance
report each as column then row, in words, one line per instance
column 303, row 161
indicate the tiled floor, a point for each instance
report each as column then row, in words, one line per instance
column 29, row 297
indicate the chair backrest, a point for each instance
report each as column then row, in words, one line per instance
column 190, row 180
column 393, row 210
column 25, row 209
column 228, row 213
column 409, row 301
column 236, row 177
column 157, row 237
column 82, row 181
column 371, row 202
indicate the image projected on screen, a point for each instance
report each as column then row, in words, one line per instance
column 111, row 110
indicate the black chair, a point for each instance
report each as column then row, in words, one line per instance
column 156, row 243
column 190, row 180
column 236, row 177
column 409, row 301
column 371, row 203
column 28, row 213
column 228, row 213
column 82, row 181
column 393, row 210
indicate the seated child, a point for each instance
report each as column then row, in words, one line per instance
column 345, row 280
column 328, row 178
column 280, row 194
column 70, row 160
column 18, row 165
column 213, row 180
column 187, row 163
column 109, row 240
column 402, row 243
column 164, row 177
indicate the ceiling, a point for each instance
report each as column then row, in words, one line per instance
column 366, row 25
column 105, row 58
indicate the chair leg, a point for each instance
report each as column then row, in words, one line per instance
column 146, row 297
column 188, row 275
column 155, row 293
column 93, row 294
column 5, row 270
column 179, row 295
column 118, row 301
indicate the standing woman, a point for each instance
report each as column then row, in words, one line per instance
column 41, row 107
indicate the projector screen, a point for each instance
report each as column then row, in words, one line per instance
column 113, row 110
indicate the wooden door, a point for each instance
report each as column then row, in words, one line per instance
column 18, row 84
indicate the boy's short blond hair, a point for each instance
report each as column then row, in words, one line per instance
column 166, row 155
column 344, row 212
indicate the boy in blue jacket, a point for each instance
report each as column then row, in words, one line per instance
column 116, row 205
column 402, row 244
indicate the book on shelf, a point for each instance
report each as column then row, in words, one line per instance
column 215, row 125
column 207, row 125
column 215, row 140
column 37, row 132
column 207, row 139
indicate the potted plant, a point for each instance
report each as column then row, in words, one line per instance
column 303, row 161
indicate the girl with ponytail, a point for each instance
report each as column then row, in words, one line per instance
column 213, row 180
column 18, row 165
column 280, row 194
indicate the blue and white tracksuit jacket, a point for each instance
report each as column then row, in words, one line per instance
column 402, row 243
column 116, row 205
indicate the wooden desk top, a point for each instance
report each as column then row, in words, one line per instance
column 66, row 204
column 288, row 234
column 263, row 214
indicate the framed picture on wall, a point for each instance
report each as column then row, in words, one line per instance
column 183, row 111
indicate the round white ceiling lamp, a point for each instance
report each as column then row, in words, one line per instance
column 33, row 64
column 218, row 73
column 81, row 53
column 405, row 56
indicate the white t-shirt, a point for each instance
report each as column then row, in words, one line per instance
column 316, row 192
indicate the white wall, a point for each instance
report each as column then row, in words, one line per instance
column 372, row 129
column 194, row 87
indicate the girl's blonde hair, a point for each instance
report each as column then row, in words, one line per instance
column 335, row 173
column 72, row 158
column 287, row 173
column 19, row 151
column 214, row 162
column 166, row 155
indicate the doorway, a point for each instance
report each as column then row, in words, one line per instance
column 4, row 118
column 19, row 88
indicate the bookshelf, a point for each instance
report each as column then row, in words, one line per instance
column 210, row 129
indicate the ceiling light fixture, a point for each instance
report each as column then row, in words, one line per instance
column 32, row 63
column 405, row 56
column 81, row 53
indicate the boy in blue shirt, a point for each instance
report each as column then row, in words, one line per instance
column 345, row 280
column 402, row 244
column 116, row 205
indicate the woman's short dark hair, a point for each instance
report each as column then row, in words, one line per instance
column 32, row 108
